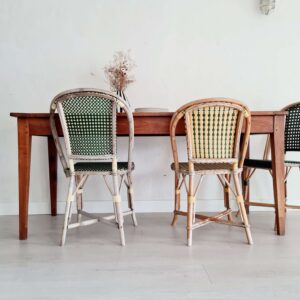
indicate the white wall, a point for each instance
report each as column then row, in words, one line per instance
column 184, row 50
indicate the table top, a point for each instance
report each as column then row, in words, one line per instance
column 140, row 114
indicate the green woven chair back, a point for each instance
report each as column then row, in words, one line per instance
column 88, row 118
column 89, row 122
column 213, row 131
column 292, row 128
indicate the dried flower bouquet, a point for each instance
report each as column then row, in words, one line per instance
column 118, row 71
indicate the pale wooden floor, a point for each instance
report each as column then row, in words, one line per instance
column 155, row 264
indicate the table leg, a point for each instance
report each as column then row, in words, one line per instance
column 277, row 150
column 24, row 156
column 52, row 159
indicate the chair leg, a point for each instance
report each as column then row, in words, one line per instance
column 246, row 188
column 177, row 200
column 120, row 222
column 79, row 203
column 285, row 190
column 189, row 232
column 246, row 193
column 131, row 200
column 117, row 203
column 242, row 209
column 194, row 212
column 226, row 198
column 68, row 212
column 115, row 212
column 190, row 211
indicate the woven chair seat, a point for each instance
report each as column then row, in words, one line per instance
column 100, row 167
column 206, row 168
column 267, row 164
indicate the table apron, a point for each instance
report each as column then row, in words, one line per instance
column 147, row 126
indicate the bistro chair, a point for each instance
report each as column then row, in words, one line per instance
column 291, row 144
column 213, row 133
column 88, row 121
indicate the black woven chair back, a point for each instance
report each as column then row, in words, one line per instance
column 292, row 128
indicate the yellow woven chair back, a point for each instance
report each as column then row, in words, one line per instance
column 213, row 129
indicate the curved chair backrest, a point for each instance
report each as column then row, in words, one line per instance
column 292, row 128
column 291, row 131
column 88, row 121
column 213, row 130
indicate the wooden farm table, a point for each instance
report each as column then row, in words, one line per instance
column 145, row 124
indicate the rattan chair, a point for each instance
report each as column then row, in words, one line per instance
column 213, row 132
column 88, row 121
column 291, row 144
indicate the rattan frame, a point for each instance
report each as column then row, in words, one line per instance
column 236, row 163
column 78, row 179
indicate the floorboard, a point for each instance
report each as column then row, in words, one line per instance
column 154, row 264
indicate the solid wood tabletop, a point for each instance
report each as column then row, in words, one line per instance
column 137, row 114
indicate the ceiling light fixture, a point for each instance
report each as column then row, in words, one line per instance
column 267, row 6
